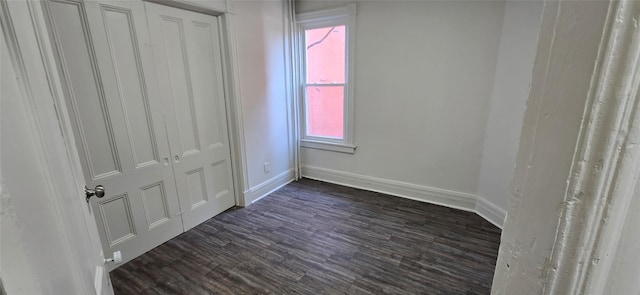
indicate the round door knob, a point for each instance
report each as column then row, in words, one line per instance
column 98, row 192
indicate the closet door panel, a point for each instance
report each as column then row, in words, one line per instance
column 120, row 33
column 117, row 120
column 187, row 51
column 182, row 100
column 129, row 76
column 87, row 102
column 206, row 81
column 206, row 65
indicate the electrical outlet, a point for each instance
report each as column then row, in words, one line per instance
column 266, row 167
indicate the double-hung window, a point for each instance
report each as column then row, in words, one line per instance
column 326, row 46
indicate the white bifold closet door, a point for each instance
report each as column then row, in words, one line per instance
column 148, row 116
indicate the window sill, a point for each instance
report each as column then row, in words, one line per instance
column 327, row 146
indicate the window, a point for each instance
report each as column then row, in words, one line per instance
column 326, row 46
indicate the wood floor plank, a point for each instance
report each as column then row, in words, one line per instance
column 312, row 237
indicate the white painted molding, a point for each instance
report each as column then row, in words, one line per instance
column 334, row 14
column 606, row 165
column 447, row 198
column 490, row 212
column 211, row 7
column 267, row 187
column 327, row 146
column 291, row 79
column 234, row 107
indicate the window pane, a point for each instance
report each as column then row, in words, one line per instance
column 325, row 55
column 325, row 106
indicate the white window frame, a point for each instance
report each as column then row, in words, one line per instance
column 338, row 16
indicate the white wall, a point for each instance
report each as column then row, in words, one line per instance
column 263, row 89
column 510, row 91
column 424, row 74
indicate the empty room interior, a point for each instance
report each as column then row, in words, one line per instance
column 319, row 147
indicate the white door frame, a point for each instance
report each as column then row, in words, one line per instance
column 606, row 166
column 232, row 96
column 578, row 164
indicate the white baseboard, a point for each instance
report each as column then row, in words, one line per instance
column 265, row 188
column 447, row 198
column 490, row 212
column 453, row 199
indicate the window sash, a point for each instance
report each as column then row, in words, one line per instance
column 344, row 51
column 306, row 85
column 307, row 134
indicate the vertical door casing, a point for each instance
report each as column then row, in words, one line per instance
column 117, row 119
column 189, row 67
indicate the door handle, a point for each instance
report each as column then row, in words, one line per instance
column 98, row 192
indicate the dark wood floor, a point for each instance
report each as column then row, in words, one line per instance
column 312, row 237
